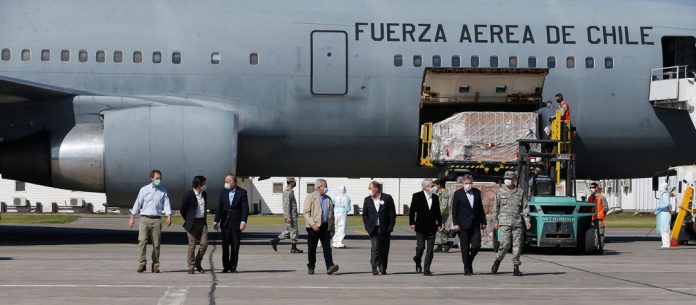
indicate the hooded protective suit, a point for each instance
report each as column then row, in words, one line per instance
column 663, row 214
column 341, row 210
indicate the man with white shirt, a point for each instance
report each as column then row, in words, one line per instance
column 193, row 210
column 469, row 219
column 425, row 218
column 379, row 217
column 152, row 201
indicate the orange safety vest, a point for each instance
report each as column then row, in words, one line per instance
column 566, row 115
column 597, row 200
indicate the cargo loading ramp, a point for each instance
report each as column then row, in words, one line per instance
column 446, row 92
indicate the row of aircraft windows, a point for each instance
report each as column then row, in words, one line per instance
column 494, row 62
column 100, row 56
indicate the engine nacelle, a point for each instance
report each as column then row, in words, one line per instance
column 117, row 155
column 181, row 141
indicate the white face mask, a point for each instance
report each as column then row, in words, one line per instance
column 508, row 182
column 593, row 190
column 227, row 186
column 467, row 187
column 204, row 187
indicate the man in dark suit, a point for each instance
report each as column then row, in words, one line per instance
column 193, row 210
column 379, row 217
column 425, row 218
column 469, row 219
column 231, row 216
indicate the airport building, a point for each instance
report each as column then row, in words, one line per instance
column 265, row 196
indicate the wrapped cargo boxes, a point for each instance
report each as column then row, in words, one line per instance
column 482, row 136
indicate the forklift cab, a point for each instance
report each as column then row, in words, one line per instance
column 543, row 186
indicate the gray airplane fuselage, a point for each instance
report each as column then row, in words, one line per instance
column 302, row 113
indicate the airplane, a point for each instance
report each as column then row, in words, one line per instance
column 94, row 94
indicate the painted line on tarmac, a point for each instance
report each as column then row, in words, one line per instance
column 338, row 287
column 173, row 297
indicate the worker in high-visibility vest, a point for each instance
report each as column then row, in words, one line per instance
column 565, row 107
column 565, row 118
column 600, row 201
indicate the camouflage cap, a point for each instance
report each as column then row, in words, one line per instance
column 291, row 179
column 510, row 175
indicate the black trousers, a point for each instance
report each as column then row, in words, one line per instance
column 313, row 239
column 379, row 254
column 231, row 237
column 470, row 244
column 421, row 239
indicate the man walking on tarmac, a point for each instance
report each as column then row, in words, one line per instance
column 290, row 213
column 442, row 243
column 509, row 209
column 600, row 202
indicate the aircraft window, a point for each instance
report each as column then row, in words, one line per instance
column 609, row 62
column 277, row 188
column 512, row 62
column 101, row 56
column 398, row 60
column 176, row 57
column 437, row 61
column 6, row 54
column 417, row 61
column 474, row 61
column 82, row 55
column 26, row 55
column 254, row 59
column 215, row 58
column 589, row 62
column 137, row 57
column 570, row 62
column 551, row 62
column 20, row 186
column 118, row 56
column 494, row 61
column 532, row 62
column 157, row 57
column 456, row 61
column 65, row 55
column 45, row 55
column 310, row 188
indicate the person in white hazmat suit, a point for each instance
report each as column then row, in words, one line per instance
column 341, row 210
column 664, row 215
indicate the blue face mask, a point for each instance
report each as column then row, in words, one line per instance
column 157, row 182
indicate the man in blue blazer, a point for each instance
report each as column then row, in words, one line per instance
column 231, row 217
column 469, row 219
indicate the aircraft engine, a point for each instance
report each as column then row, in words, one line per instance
column 116, row 155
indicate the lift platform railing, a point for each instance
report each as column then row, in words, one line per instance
column 426, row 142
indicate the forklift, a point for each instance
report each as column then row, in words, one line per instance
column 546, row 171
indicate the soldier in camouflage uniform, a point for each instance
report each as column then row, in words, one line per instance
column 290, row 213
column 442, row 237
column 509, row 209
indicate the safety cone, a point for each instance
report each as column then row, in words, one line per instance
column 674, row 243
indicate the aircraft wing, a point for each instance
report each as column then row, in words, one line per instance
column 17, row 90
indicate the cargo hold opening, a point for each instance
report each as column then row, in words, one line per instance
column 501, row 101
column 447, row 91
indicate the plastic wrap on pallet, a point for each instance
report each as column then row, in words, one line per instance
column 482, row 136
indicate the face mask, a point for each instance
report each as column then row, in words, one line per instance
column 157, row 182
column 467, row 187
column 433, row 190
column 326, row 190
column 204, row 187
column 508, row 182
column 593, row 190
column 227, row 186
